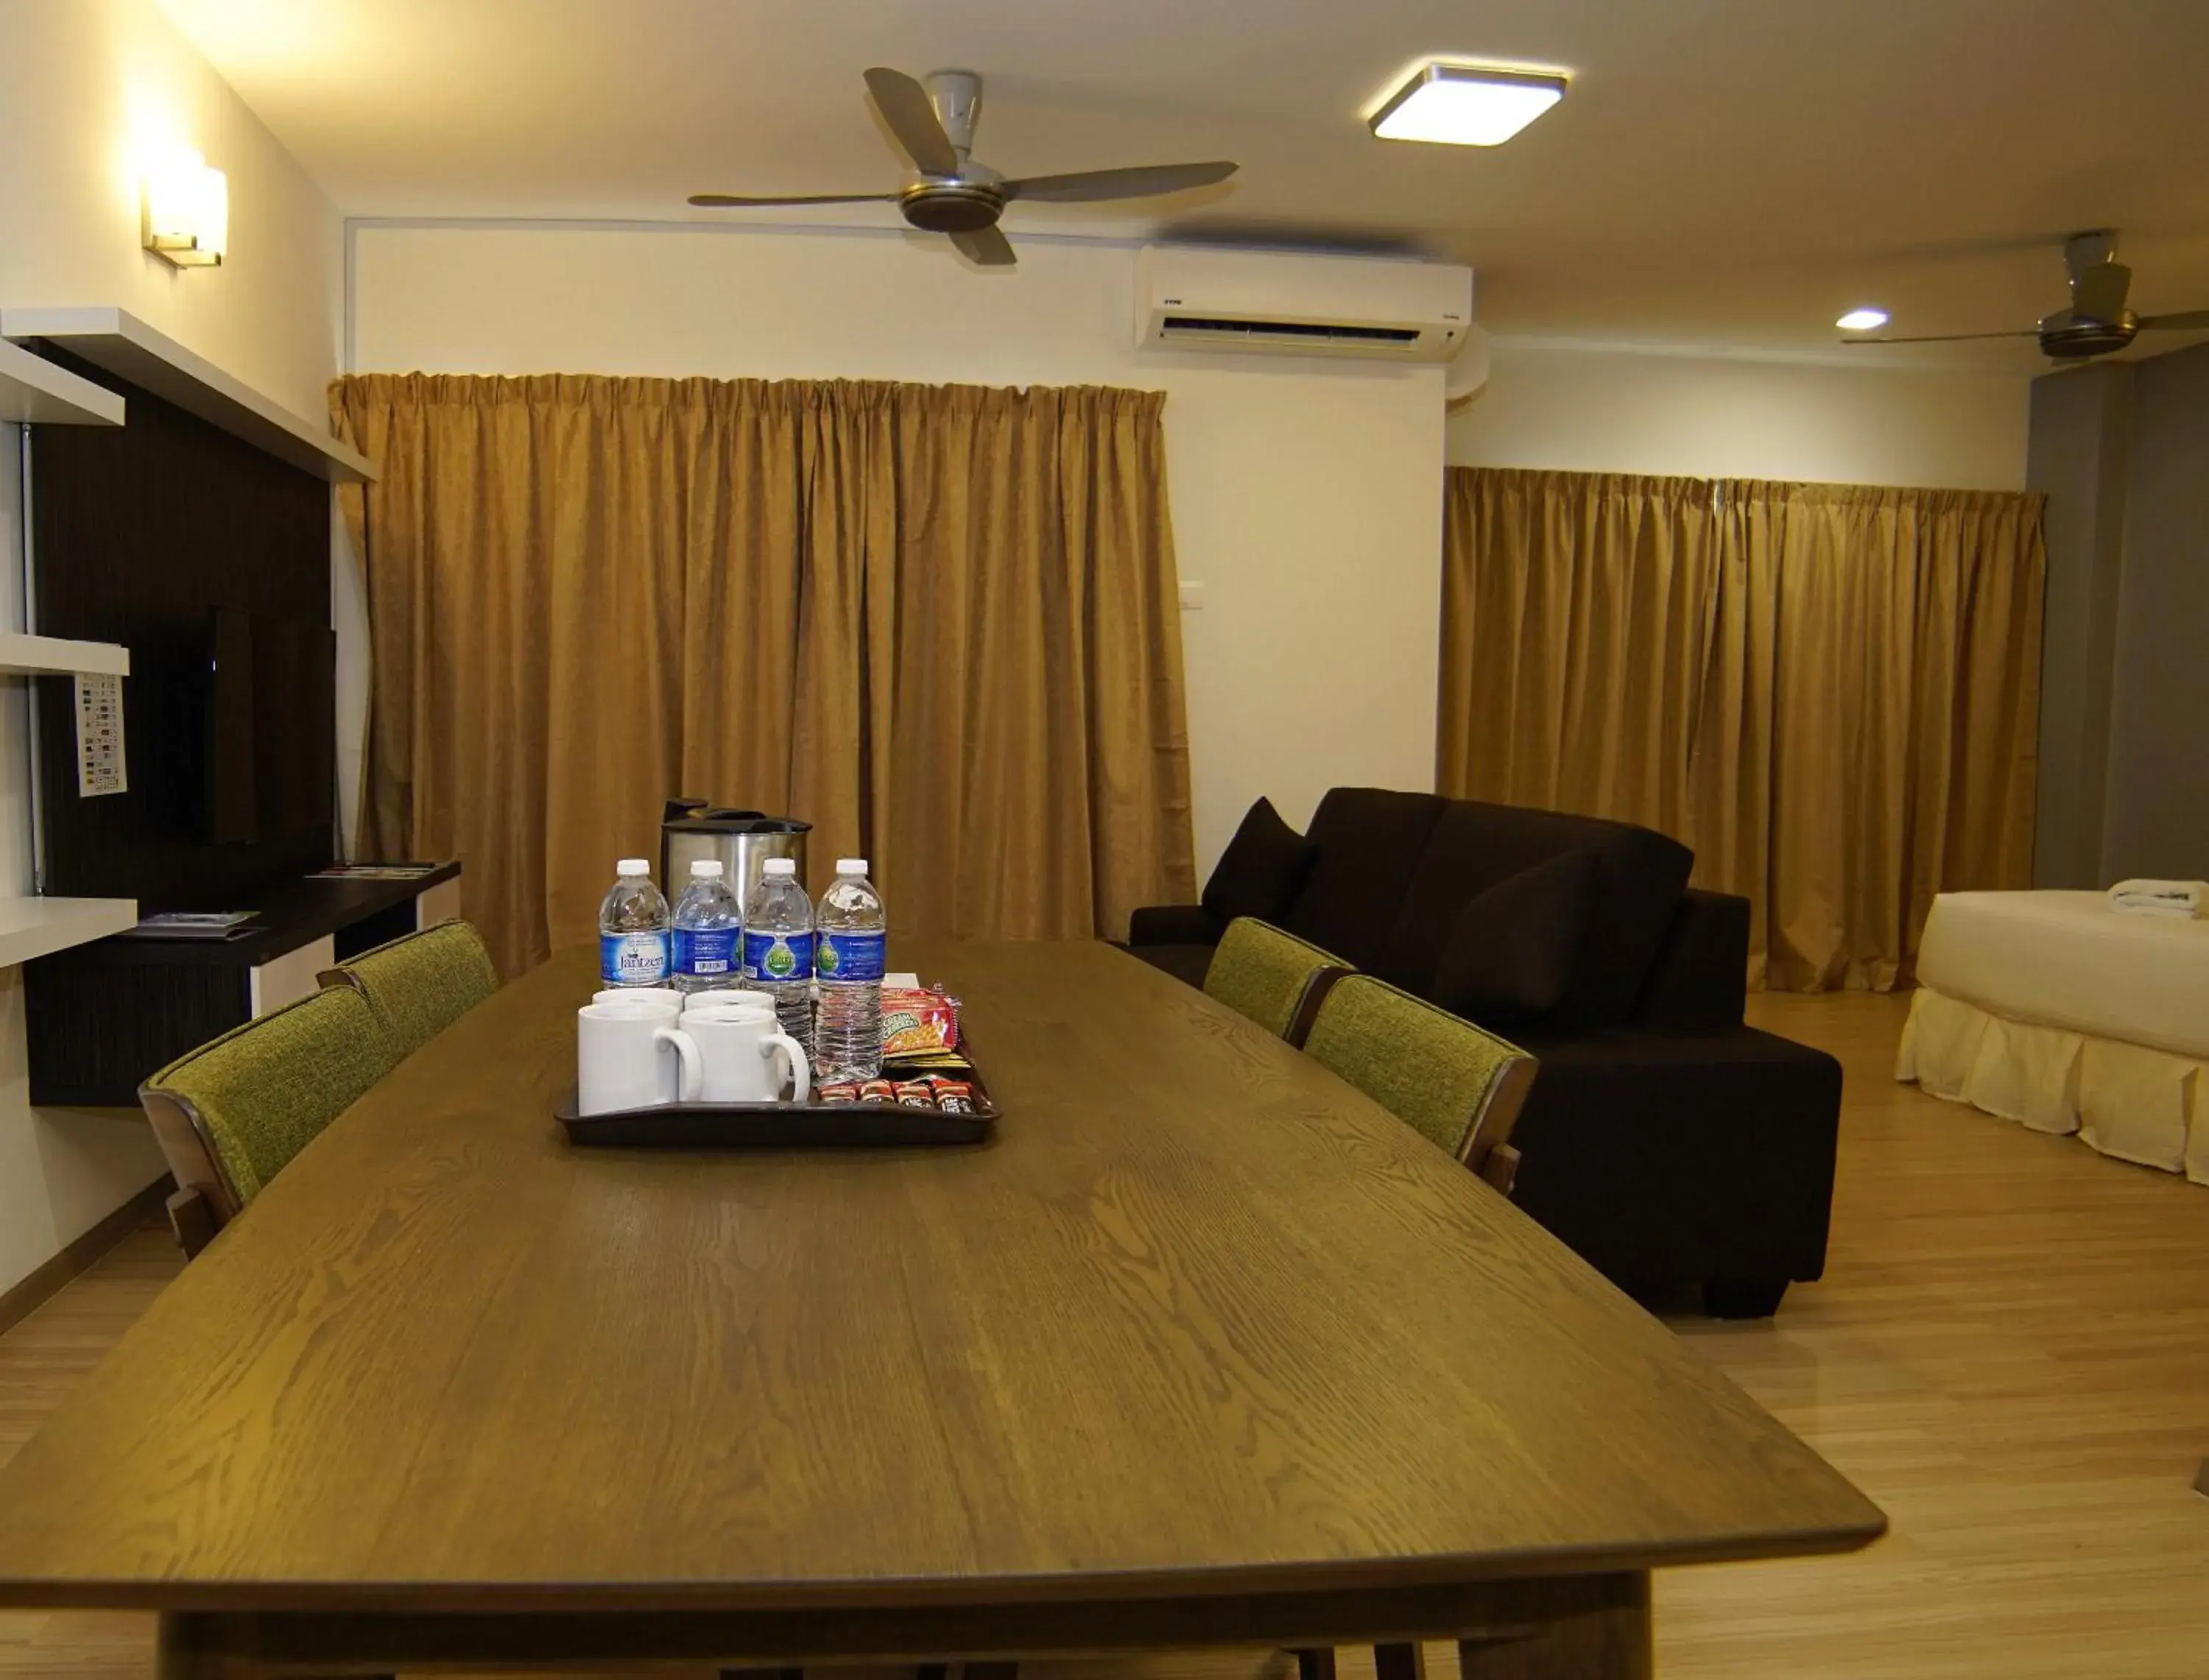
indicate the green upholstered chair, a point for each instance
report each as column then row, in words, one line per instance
column 1458, row 1087
column 1273, row 977
column 233, row 1113
column 422, row 983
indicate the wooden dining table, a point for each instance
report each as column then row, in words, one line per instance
column 1203, row 1348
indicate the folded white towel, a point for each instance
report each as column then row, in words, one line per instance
column 2159, row 898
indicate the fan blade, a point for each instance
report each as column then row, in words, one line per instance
column 2100, row 293
column 2193, row 319
column 1092, row 185
column 903, row 105
column 1950, row 338
column 987, row 246
column 721, row 200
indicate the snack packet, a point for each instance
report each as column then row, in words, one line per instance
column 914, row 1022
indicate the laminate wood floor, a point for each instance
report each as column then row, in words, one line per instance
column 2009, row 1351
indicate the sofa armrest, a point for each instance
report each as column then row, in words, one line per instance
column 1668, row 1159
column 1699, row 980
column 1171, row 924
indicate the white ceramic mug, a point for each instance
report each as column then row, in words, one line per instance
column 740, row 1052
column 666, row 997
column 630, row 1054
column 720, row 1002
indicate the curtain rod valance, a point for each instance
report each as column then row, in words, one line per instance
column 699, row 392
column 1730, row 491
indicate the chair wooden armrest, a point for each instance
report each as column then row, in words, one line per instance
column 204, row 1201
column 191, row 1221
column 1322, row 982
column 1501, row 1168
column 1488, row 1148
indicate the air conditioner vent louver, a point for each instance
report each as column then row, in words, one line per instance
column 1206, row 325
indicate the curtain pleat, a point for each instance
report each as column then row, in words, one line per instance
column 939, row 622
column 1831, row 692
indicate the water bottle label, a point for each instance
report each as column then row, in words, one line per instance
column 702, row 951
column 632, row 959
column 848, row 956
column 778, row 956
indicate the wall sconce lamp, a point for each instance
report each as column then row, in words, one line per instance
column 187, row 212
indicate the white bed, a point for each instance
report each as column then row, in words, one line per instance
column 2053, row 1010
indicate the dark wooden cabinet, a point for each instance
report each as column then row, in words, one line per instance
column 100, row 1017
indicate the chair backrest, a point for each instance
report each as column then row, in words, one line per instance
column 231, row 1114
column 1458, row 1086
column 422, row 983
column 1273, row 977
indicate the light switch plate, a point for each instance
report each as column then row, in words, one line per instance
column 99, row 759
column 1192, row 598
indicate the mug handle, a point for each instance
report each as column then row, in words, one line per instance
column 692, row 1079
column 795, row 1066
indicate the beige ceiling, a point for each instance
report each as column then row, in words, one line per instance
column 1730, row 173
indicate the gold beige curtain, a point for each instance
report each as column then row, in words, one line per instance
column 1576, row 622
column 937, row 621
column 1876, row 718
column 1831, row 692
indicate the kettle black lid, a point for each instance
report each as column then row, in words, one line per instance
column 694, row 816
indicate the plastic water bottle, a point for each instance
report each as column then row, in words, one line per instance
column 848, row 963
column 633, row 929
column 778, row 946
column 709, row 923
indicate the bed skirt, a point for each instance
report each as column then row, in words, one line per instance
column 2137, row 1104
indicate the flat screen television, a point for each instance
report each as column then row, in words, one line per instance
column 211, row 561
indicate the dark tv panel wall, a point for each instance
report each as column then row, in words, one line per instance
column 210, row 561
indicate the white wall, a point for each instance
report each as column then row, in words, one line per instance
column 1306, row 493
column 1612, row 411
column 85, row 86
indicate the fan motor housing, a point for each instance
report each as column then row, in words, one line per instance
column 2075, row 341
column 951, row 207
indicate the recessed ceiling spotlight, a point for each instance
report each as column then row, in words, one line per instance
column 1861, row 321
column 1464, row 105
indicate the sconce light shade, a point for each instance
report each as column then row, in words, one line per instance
column 187, row 212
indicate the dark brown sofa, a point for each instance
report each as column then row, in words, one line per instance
column 1666, row 1141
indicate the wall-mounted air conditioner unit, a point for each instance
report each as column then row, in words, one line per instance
column 1293, row 304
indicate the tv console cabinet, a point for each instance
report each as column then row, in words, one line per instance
column 102, row 1016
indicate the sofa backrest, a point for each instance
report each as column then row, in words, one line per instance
column 1370, row 841
column 1634, row 890
column 1393, row 870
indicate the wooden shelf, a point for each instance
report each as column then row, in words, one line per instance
column 36, row 927
column 35, row 392
column 24, row 655
column 124, row 345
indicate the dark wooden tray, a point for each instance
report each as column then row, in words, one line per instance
column 777, row 1125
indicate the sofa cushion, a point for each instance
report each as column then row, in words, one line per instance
column 1260, row 870
column 1511, row 949
column 1636, row 878
column 1370, row 841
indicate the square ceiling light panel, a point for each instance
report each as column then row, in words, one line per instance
column 1464, row 105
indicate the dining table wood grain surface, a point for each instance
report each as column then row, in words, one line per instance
column 1203, row 1348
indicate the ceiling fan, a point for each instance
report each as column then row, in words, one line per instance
column 951, row 193
column 2097, row 320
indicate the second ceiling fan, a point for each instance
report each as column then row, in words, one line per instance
column 2096, row 322
column 957, row 195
